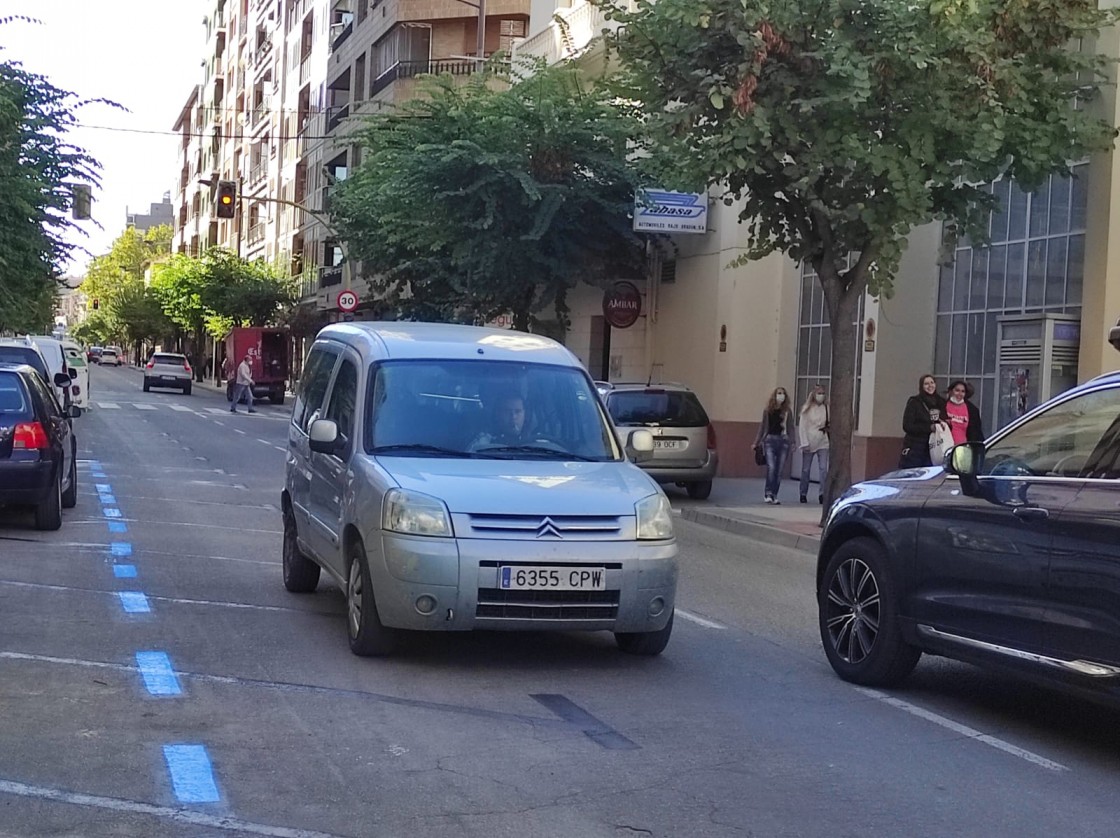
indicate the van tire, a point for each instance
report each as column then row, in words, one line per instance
column 368, row 637
column 647, row 643
column 301, row 574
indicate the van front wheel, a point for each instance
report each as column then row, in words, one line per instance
column 645, row 642
column 368, row 637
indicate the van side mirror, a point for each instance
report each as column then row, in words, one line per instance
column 61, row 379
column 965, row 461
column 75, row 411
column 639, row 446
column 323, row 436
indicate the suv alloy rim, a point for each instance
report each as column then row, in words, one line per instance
column 853, row 611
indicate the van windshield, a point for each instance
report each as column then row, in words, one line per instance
column 486, row 410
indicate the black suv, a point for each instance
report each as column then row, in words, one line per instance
column 1008, row 556
column 37, row 465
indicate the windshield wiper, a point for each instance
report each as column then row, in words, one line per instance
column 537, row 449
column 420, row 448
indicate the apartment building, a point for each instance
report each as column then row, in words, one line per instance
column 734, row 334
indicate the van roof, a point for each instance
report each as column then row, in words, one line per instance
column 406, row 339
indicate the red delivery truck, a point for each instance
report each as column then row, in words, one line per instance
column 267, row 348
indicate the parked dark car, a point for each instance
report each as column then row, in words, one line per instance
column 37, row 460
column 1009, row 556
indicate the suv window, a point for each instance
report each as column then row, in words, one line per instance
column 654, row 406
column 13, row 354
column 15, row 405
column 172, row 360
column 344, row 398
column 1076, row 438
column 313, row 385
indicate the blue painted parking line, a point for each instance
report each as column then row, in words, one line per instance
column 118, row 526
column 108, row 500
column 134, row 602
column 192, row 777
column 120, row 549
column 111, row 512
column 124, row 571
column 104, row 487
column 159, row 677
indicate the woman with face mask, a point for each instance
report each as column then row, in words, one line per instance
column 962, row 414
column 812, row 431
column 774, row 434
column 923, row 413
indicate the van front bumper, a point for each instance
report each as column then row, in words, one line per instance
column 437, row 584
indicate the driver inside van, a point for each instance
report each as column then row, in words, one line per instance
column 507, row 423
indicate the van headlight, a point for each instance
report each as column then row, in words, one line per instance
column 415, row 514
column 655, row 518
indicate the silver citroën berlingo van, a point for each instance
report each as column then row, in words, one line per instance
column 453, row 478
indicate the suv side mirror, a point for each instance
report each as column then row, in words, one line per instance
column 639, row 446
column 965, row 461
column 61, row 379
column 323, row 436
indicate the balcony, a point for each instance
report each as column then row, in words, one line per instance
column 298, row 12
column 258, row 172
column 582, row 24
column 339, row 33
column 264, row 50
column 330, row 275
column 255, row 235
column 304, row 67
column 412, row 69
column 260, row 111
column 336, row 115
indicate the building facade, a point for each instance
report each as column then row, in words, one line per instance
column 734, row 334
column 157, row 214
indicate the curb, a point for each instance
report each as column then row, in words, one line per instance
column 752, row 529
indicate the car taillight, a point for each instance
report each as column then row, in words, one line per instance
column 150, row 364
column 29, row 436
column 187, row 367
column 711, row 436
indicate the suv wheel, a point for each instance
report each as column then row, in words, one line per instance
column 645, row 642
column 301, row 574
column 368, row 636
column 147, row 386
column 699, row 490
column 48, row 514
column 70, row 496
column 858, row 612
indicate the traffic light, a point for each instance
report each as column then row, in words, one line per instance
column 227, row 198
column 96, row 304
column 81, row 200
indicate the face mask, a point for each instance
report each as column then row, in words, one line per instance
column 957, row 399
column 781, row 397
column 819, row 398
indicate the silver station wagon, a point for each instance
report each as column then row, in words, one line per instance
column 453, row 478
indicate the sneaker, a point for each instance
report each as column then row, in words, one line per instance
column 776, row 502
column 820, row 500
column 231, row 410
column 769, row 499
column 804, row 499
column 251, row 410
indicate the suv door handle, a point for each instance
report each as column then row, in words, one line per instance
column 1031, row 513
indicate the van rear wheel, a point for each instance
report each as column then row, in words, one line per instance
column 301, row 574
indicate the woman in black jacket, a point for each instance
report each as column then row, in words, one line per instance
column 923, row 413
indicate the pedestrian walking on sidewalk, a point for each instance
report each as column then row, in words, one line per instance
column 243, row 386
column 924, row 415
column 812, row 432
column 774, row 435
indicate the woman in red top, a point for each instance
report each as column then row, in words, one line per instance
column 963, row 415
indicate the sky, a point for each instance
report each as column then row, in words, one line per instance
column 143, row 54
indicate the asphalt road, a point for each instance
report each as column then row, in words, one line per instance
column 156, row 679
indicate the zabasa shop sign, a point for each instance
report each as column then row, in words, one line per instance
column 663, row 211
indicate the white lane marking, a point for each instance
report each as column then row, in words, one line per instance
column 181, row 408
column 265, row 441
column 280, row 448
column 963, row 730
column 239, row 431
column 138, row 603
column 140, row 406
column 109, row 405
column 700, row 621
column 117, row 804
column 219, row 411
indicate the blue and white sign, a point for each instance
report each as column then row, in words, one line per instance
column 662, row 211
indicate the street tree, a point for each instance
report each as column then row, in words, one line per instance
column 841, row 125
column 138, row 314
column 37, row 166
column 131, row 255
column 476, row 199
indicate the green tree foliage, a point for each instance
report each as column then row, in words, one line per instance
column 840, row 125
column 96, row 330
column 132, row 254
column 472, row 200
column 36, row 166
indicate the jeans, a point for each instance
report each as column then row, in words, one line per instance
column 241, row 391
column 776, row 448
column 807, row 462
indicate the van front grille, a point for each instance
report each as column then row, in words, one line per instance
column 499, row 604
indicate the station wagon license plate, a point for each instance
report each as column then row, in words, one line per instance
column 666, row 443
column 518, row 578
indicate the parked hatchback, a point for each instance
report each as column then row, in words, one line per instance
column 1009, row 556
column 453, row 478
column 168, row 369
column 37, row 461
column 684, row 441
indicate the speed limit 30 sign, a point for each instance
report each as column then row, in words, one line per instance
column 347, row 300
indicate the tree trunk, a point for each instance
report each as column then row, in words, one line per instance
column 842, row 296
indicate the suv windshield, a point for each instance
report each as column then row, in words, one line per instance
column 655, row 406
column 486, row 409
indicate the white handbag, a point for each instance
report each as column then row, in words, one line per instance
column 940, row 441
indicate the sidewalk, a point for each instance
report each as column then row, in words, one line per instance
column 736, row 505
